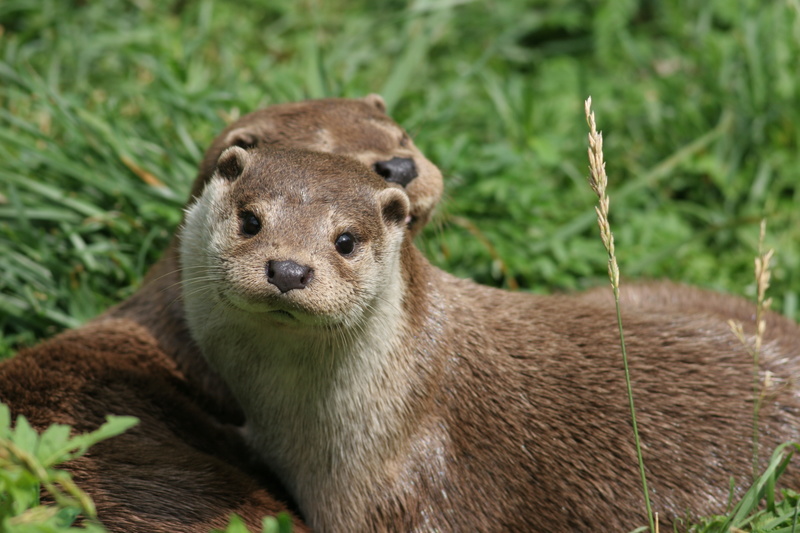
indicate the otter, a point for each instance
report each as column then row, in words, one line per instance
column 387, row 394
column 185, row 467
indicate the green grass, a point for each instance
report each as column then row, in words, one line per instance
column 699, row 101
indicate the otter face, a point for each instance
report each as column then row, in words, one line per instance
column 359, row 129
column 292, row 239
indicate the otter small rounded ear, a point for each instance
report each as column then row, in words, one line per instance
column 394, row 206
column 231, row 163
column 242, row 137
column 376, row 101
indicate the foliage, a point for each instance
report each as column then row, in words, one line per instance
column 780, row 514
column 27, row 464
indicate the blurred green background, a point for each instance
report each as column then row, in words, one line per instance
column 100, row 102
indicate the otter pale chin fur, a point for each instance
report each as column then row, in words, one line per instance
column 389, row 395
column 182, row 468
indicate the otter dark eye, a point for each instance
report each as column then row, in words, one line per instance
column 345, row 243
column 250, row 224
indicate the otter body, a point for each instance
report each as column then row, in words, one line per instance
column 183, row 468
column 389, row 395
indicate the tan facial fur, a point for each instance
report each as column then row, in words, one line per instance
column 294, row 225
column 356, row 128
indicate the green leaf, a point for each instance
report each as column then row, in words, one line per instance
column 114, row 425
column 282, row 523
column 52, row 440
column 5, row 421
column 24, row 436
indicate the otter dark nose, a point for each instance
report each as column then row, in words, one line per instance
column 288, row 275
column 397, row 170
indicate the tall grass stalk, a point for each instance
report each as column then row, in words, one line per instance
column 598, row 181
column 762, row 274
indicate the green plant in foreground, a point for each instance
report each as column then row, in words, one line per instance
column 746, row 515
column 27, row 464
column 777, row 516
column 598, row 181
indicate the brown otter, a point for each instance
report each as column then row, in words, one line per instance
column 389, row 395
column 181, row 469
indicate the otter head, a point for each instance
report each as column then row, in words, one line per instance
column 357, row 128
column 290, row 239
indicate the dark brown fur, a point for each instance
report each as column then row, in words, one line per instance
column 511, row 408
column 181, row 469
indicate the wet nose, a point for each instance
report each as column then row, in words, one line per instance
column 399, row 170
column 288, row 275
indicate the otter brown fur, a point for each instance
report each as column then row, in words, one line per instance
column 389, row 395
column 182, row 468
